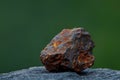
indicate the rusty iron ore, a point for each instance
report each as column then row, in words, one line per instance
column 70, row 50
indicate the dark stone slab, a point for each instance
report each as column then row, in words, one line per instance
column 40, row 73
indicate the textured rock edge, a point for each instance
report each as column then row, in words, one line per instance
column 40, row 73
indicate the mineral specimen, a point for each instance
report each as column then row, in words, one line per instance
column 70, row 50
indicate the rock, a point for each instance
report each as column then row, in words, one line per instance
column 70, row 50
column 40, row 73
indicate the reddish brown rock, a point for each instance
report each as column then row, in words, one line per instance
column 70, row 50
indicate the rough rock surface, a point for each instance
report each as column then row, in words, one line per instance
column 70, row 50
column 40, row 73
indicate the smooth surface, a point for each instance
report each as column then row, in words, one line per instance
column 40, row 73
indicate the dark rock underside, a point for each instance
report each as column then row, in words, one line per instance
column 40, row 73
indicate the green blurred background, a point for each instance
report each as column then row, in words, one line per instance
column 26, row 26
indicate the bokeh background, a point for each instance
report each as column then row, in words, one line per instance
column 27, row 26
